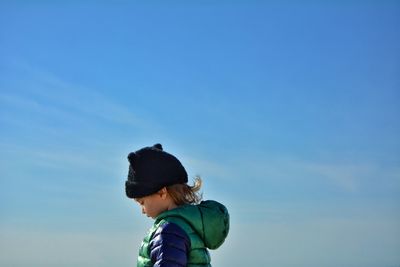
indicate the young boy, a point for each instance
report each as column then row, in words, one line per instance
column 183, row 230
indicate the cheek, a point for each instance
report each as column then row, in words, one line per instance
column 146, row 208
column 151, row 211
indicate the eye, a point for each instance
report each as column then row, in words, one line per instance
column 139, row 201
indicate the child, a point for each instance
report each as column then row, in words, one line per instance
column 182, row 230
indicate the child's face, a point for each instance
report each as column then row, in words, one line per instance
column 154, row 204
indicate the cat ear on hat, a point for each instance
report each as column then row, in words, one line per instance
column 132, row 158
column 132, row 161
column 158, row 146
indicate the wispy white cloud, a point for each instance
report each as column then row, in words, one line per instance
column 355, row 177
column 21, row 110
column 44, row 114
column 55, row 159
column 41, row 91
column 347, row 177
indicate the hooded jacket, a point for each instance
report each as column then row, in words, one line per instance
column 181, row 237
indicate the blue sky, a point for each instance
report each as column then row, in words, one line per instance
column 288, row 110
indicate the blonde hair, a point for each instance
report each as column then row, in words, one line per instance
column 185, row 194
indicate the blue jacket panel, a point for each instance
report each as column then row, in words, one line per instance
column 169, row 246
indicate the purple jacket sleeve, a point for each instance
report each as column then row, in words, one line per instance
column 169, row 246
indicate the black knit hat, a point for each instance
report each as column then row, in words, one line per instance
column 151, row 169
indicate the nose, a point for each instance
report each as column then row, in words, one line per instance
column 143, row 211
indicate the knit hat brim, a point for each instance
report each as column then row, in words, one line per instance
column 137, row 190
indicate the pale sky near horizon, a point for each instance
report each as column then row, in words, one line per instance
column 289, row 111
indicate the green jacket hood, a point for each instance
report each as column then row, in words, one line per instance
column 209, row 219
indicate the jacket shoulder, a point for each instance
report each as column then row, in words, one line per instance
column 169, row 245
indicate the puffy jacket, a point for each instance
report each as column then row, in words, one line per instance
column 181, row 237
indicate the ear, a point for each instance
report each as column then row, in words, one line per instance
column 163, row 193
